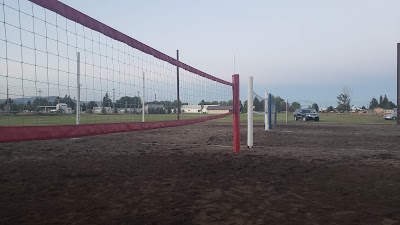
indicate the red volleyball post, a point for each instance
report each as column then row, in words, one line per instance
column 236, row 114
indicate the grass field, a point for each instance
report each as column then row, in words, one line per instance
column 90, row 119
column 334, row 118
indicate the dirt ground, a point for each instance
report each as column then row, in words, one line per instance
column 306, row 173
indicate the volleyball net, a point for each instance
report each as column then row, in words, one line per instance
column 64, row 74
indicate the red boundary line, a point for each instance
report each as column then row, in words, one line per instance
column 30, row 133
column 81, row 18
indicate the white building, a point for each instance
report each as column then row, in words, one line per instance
column 219, row 109
column 60, row 107
column 129, row 110
column 98, row 110
column 191, row 108
column 205, row 108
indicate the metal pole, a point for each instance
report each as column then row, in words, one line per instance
column 143, row 100
column 269, row 112
column 40, row 97
column 78, row 90
column 276, row 111
column 287, row 104
column 236, row 114
column 113, row 105
column 7, row 101
column 266, row 126
column 250, row 113
column 398, row 83
column 177, row 87
column 137, row 102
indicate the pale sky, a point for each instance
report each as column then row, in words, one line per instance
column 306, row 49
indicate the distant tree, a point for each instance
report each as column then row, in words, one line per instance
column 282, row 106
column 68, row 100
column 10, row 107
column 106, row 101
column 214, row 103
column 373, row 103
column 385, row 102
column 115, row 110
column 245, row 106
column 380, row 101
column 83, row 106
column 241, row 106
column 280, row 103
column 103, row 110
column 363, row 108
column 294, row 106
column 39, row 102
column 390, row 105
column 344, row 99
column 262, row 105
column 90, row 105
column 315, row 107
column 6, row 105
column 13, row 108
column 21, row 107
column 58, row 100
column 129, row 102
column 256, row 104
column 330, row 109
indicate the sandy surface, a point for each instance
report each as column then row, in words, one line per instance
column 307, row 173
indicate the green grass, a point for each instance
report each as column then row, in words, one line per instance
column 35, row 120
column 335, row 118
column 42, row 120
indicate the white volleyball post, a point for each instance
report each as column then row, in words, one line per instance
column 78, row 87
column 250, row 113
column 266, row 110
column 287, row 108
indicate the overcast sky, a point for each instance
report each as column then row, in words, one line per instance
column 299, row 50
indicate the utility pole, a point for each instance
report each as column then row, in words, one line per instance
column 8, row 102
column 113, row 99
column 40, row 97
column 143, row 99
column 287, row 108
column 177, row 85
column 78, row 84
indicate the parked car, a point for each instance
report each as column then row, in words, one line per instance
column 390, row 116
column 306, row 114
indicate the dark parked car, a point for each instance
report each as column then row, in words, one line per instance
column 306, row 114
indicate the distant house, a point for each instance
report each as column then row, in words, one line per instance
column 191, row 108
column 60, row 107
column 355, row 109
column 98, row 110
column 379, row 110
column 195, row 108
column 129, row 110
column 388, row 111
column 219, row 109
column 323, row 110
